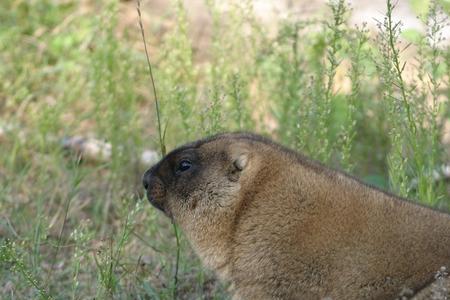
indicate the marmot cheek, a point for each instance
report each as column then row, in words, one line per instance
column 193, row 204
column 234, row 175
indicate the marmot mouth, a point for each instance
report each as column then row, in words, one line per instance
column 155, row 190
column 155, row 203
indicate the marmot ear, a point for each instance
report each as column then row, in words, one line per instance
column 241, row 161
column 240, row 156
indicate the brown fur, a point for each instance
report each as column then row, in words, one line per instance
column 280, row 226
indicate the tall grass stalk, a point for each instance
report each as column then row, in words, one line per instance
column 358, row 41
column 322, row 88
column 162, row 147
column 81, row 236
column 393, row 29
column 152, row 80
column 76, row 179
column 391, row 78
column 432, row 104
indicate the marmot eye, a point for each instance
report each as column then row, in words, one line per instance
column 184, row 165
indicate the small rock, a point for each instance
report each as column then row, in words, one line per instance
column 149, row 157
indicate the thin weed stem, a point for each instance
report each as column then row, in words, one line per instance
column 158, row 115
column 392, row 33
column 177, row 262
column 162, row 145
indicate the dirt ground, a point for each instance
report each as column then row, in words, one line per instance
column 158, row 16
column 271, row 11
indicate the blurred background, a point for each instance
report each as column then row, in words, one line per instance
column 362, row 86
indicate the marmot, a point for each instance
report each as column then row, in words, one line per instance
column 278, row 225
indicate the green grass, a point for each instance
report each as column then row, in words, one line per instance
column 72, row 229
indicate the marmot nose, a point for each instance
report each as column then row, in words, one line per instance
column 146, row 179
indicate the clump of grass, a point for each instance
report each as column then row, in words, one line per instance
column 228, row 72
column 303, row 92
column 107, row 259
column 358, row 40
column 81, row 237
column 415, row 152
column 391, row 76
column 112, row 80
column 179, row 75
column 284, row 68
column 433, row 104
column 239, row 95
column 13, row 261
column 336, row 27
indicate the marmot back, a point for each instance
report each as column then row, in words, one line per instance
column 280, row 226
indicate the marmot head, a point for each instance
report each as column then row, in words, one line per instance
column 201, row 177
